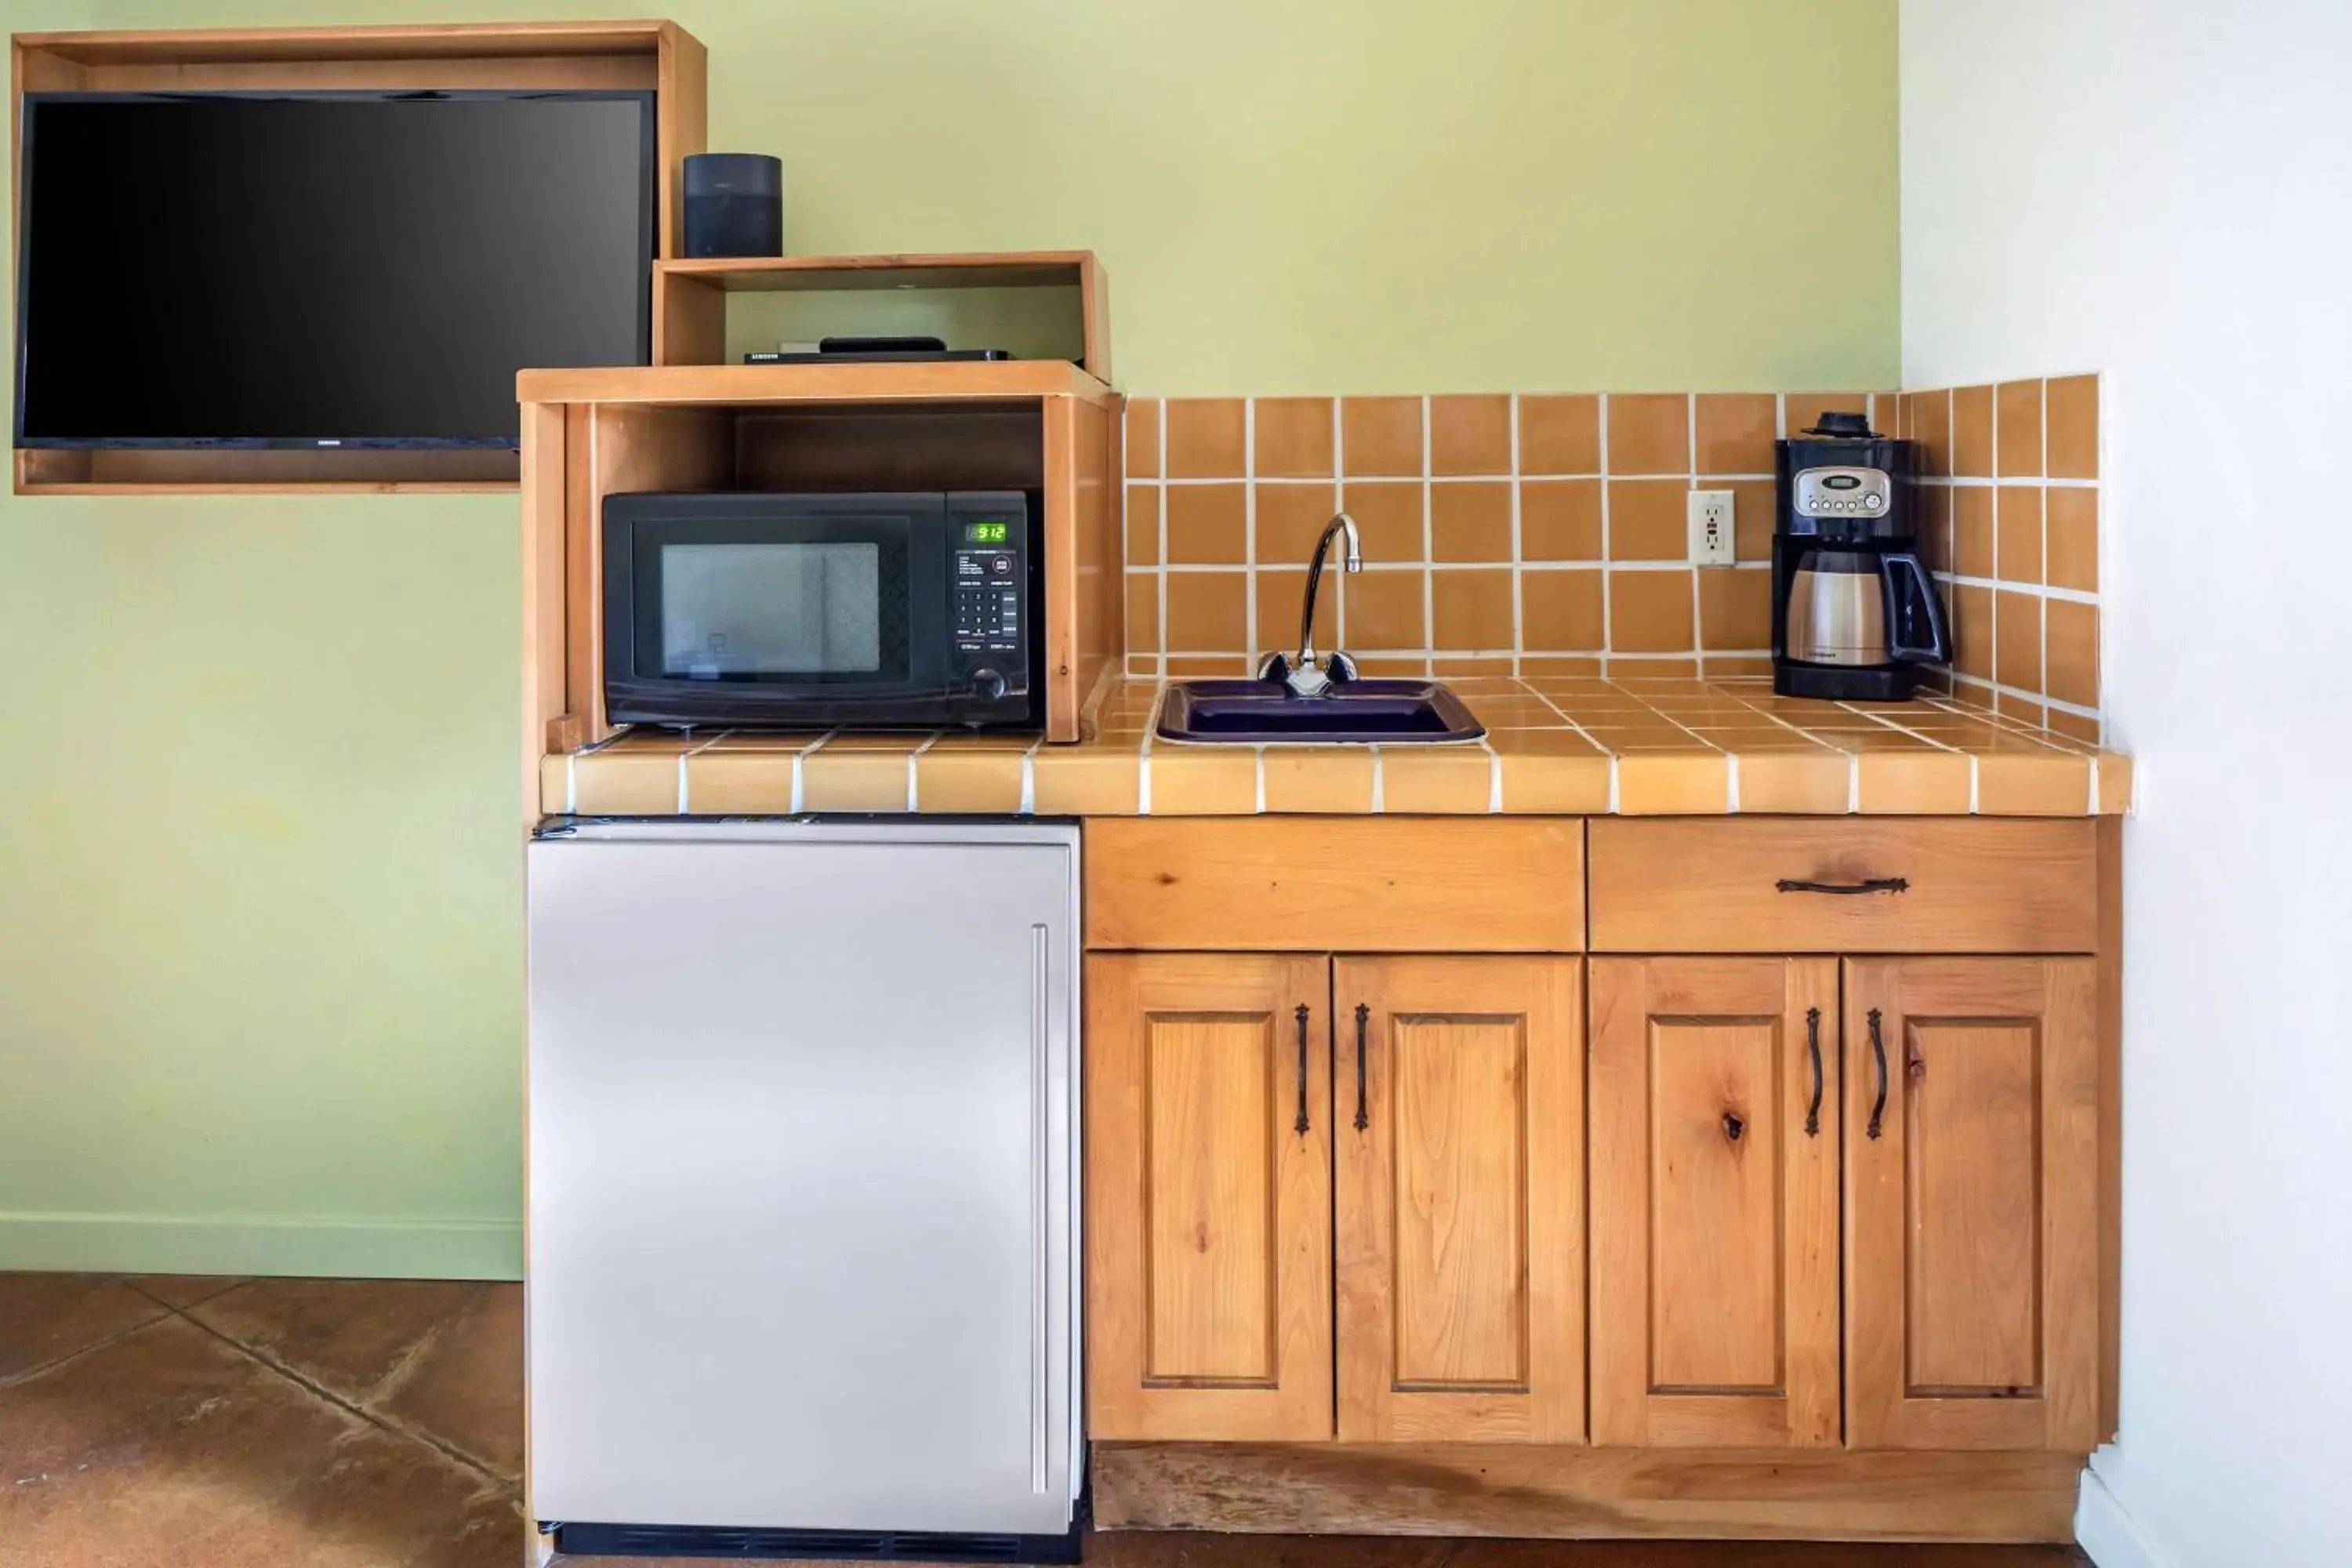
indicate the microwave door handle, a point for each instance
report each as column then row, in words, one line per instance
column 1909, row 582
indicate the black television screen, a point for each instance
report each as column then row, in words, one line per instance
column 323, row 268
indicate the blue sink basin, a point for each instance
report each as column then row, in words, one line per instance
column 1353, row 713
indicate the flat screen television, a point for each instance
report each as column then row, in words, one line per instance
column 322, row 269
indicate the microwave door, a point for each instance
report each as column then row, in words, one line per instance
column 786, row 616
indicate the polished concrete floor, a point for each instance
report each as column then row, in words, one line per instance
column 204, row 1422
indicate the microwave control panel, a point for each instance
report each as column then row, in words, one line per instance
column 988, row 584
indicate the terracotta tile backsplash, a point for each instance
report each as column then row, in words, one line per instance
column 1502, row 534
column 2016, row 545
column 1545, row 534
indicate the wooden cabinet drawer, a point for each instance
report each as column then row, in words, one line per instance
column 1272, row 884
column 1771, row 885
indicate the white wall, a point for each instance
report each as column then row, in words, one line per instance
column 2162, row 190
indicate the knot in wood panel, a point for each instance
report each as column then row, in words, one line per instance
column 1733, row 1126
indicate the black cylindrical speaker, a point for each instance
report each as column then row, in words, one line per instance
column 734, row 204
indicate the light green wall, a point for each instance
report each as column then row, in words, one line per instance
column 259, row 949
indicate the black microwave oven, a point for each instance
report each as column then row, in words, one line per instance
column 885, row 611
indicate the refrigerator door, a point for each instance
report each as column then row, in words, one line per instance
column 802, row 1222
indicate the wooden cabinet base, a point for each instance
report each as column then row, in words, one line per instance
column 1324, row 1489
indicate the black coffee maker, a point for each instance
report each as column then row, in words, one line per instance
column 1855, row 612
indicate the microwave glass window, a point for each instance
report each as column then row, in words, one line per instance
column 745, row 611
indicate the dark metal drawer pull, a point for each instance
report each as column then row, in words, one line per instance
column 1846, row 890
column 1814, row 1043
column 1878, row 1052
column 1363, row 1012
column 1301, row 1125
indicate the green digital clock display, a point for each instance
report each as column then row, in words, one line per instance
column 988, row 533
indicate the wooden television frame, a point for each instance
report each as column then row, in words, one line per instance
column 550, row 56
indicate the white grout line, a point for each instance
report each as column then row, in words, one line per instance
column 1163, row 527
column 1379, row 798
column 1608, row 633
column 571, row 783
column 1518, row 551
column 1249, row 523
column 1428, row 546
column 1029, row 779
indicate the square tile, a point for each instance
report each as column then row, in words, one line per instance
column 738, row 783
column 1290, row 517
column 1755, row 508
column 1650, row 612
column 1734, row 609
column 1564, row 782
column 1282, row 598
column 1389, row 519
column 854, row 780
column 2017, row 429
column 2033, row 783
column 1649, row 520
column 1206, row 438
column 1470, row 435
column 1672, row 783
column 2017, row 641
column 1971, row 630
column 1470, row 522
column 1294, row 436
column 1559, row 611
column 1141, row 438
column 2072, row 417
column 1208, row 612
column 2072, row 529
column 1559, row 435
column 1326, row 779
column 1436, row 779
column 1143, row 611
column 1081, row 781
column 1204, row 781
column 2073, row 643
column 45, row 1318
column 1381, row 436
column 1648, row 433
column 1143, row 525
column 1928, row 420
column 1560, row 520
column 2016, row 536
column 1735, row 432
column 625, row 784
column 1972, row 531
column 1807, row 780
column 1208, row 524
column 949, row 778
column 1385, row 611
column 1472, row 609
column 1912, row 783
column 1972, row 431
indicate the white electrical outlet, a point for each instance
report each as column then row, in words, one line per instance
column 1711, row 529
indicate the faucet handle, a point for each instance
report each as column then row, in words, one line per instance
column 1275, row 670
column 1339, row 667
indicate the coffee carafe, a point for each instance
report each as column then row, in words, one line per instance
column 1855, row 611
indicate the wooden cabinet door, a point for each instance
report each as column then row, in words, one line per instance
column 1971, row 1150
column 1460, row 1211
column 1715, row 1202
column 1208, row 1225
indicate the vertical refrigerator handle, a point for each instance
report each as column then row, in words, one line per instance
column 1041, row 1080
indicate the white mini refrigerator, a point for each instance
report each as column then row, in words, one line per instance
column 804, row 1228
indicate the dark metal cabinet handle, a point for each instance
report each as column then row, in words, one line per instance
column 1813, row 1044
column 1846, row 890
column 1302, row 1124
column 1363, row 1117
column 1878, row 1054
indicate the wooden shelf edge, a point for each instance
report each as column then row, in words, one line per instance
column 977, row 381
column 978, row 270
column 622, row 35
column 285, row 488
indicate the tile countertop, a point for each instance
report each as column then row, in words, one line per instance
column 1566, row 745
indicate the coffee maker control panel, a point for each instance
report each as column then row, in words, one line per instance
column 1843, row 492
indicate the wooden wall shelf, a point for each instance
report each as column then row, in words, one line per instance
column 684, row 386
column 691, row 293
column 545, row 56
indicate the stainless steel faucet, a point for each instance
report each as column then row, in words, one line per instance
column 1306, row 677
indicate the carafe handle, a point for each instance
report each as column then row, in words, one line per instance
column 1910, row 586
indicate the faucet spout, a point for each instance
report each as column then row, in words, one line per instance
column 1307, row 677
